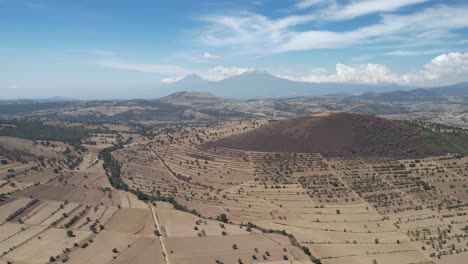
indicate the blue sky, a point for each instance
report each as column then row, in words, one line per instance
column 94, row 49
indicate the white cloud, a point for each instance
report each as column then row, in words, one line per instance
column 220, row 73
column 360, row 8
column 411, row 52
column 111, row 60
column 255, row 33
column 214, row 74
column 334, row 10
column 367, row 74
column 171, row 79
column 444, row 69
column 141, row 67
column 12, row 87
column 395, row 28
column 210, row 56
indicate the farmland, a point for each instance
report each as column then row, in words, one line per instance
column 234, row 132
column 166, row 191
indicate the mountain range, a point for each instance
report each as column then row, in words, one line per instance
column 260, row 84
column 55, row 99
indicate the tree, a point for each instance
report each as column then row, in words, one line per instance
column 316, row 261
column 306, row 250
column 70, row 233
column 157, row 233
column 223, row 218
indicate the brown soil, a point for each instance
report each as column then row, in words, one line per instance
column 336, row 134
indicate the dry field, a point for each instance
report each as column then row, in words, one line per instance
column 228, row 206
column 345, row 210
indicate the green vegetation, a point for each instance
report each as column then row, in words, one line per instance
column 14, row 154
column 70, row 233
column 36, row 130
column 380, row 109
column 7, row 109
column 223, row 218
column 291, row 237
column 112, row 166
column 449, row 138
column 21, row 210
column 453, row 142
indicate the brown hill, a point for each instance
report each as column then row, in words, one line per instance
column 189, row 98
column 336, row 134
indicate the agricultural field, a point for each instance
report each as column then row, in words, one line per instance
column 345, row 210
column 171, row 192
column 234, row 132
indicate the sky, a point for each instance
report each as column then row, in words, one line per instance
column 89, row 49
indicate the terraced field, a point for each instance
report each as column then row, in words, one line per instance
column 181, row 198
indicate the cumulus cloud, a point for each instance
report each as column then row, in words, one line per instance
column 368, row 74
column 444, row 69
column 210, row 56
column 220, row 73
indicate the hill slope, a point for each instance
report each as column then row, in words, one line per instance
column 458, row 89
column 337, row 134
column 417, row 95
column 185, row 98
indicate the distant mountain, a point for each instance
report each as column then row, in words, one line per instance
column 458, row 89
column 260, row 84
column 191, row 82
column 55, row 99
column 416, row 95
column 189, row 98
